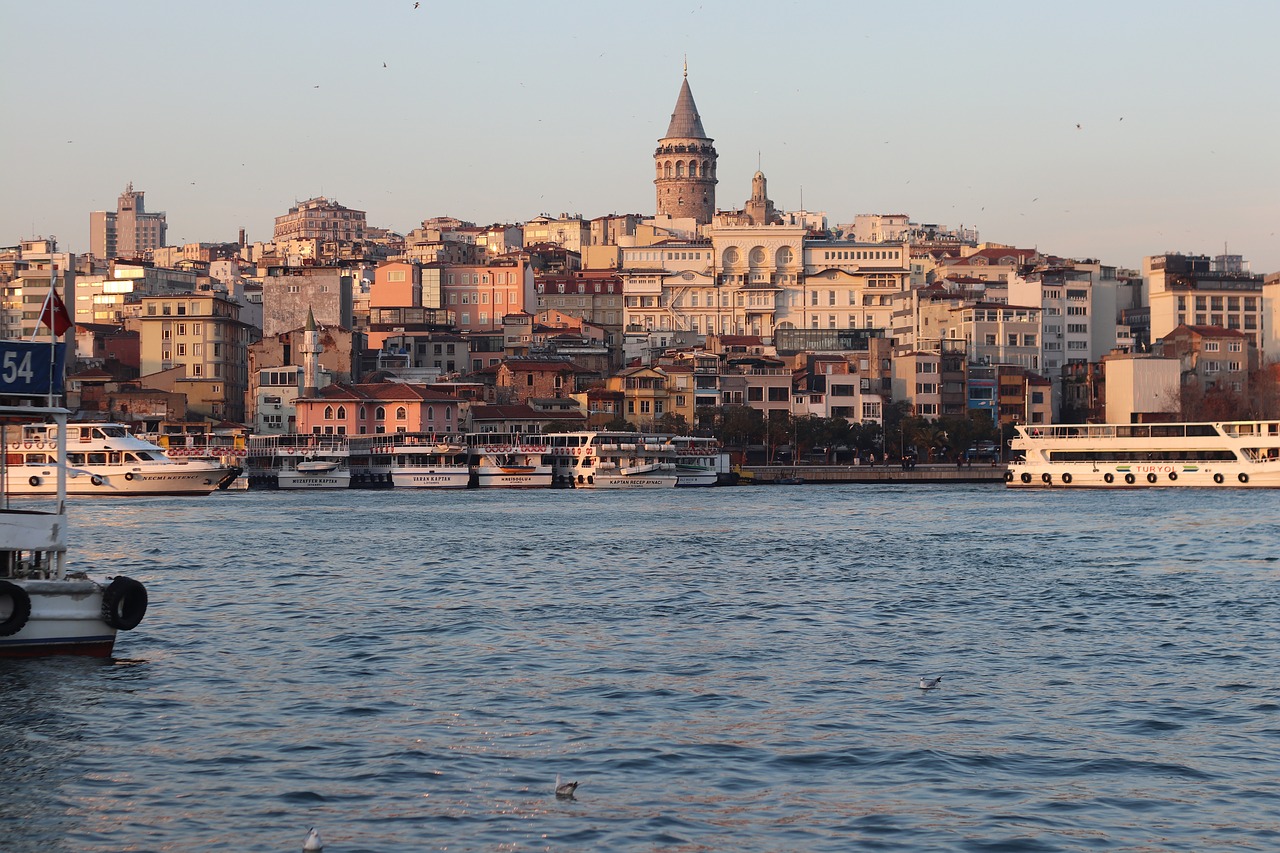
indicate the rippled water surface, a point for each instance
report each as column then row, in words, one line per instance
column 721, row 669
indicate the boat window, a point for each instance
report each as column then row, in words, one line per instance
column 13, row 459
column 36, row 459
column 113, row 432
column 75, row 458
column 115, row 458
column 129, row 457
column 97, row 459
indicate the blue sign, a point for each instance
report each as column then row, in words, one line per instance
column 31, row 368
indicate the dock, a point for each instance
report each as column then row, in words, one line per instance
column 766, row 475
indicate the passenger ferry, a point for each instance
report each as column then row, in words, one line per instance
column 613, row 460
column 699, row 461
column 104, row 459
column 509, row 460
column 414, row 460
column 1231, row 453
column 298, row 461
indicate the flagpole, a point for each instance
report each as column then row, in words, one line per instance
column 53, row 335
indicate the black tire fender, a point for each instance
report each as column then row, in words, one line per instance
column 124, row 603
column 19, row 613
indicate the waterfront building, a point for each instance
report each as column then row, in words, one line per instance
column 1214, row 362
column 479, row 296
column 1142, row 388
column 380, row 407
column 128, row 232
column 275, row 369
column 685, row 163
column 1192, row 290
column 569, row 232
column 520, row 379
column 322, row 220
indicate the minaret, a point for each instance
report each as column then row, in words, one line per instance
column 686, row 163
column 311, row 350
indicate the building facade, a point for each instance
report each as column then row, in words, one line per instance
column 130, row 231
column 685, row 164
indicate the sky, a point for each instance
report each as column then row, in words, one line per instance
column 1108, row 130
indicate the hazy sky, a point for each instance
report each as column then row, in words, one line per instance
column 1088, row 129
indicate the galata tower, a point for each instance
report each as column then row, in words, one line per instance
column 686, row 164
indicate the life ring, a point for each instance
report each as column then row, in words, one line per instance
column 591, row 479
column 1242, row 477
column 1066, row 479
column 35, row 481
column 1130, row 479
column 1173, row 475
column 27, row 445
column 1026, row 478
column 19, row 613
column 1008, row 476
column 96, row 480
column 1046, row 478
column 124, row 603
column 39, row 445
column 1151, row 478
column 128, row 475
column 1108, row 477
column 581, row 479
column 1218, row 478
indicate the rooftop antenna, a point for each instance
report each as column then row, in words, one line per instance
column 686, row 66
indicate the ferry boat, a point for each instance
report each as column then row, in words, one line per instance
column 415, row 460
column 103, row 459
column 44, row 608
column 509, row 461
column 1243, row 454
column 700, row 461
column 612, row 460
column 298, row 461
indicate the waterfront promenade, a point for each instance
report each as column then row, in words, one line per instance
column 871, row 474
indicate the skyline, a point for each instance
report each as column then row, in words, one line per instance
column 1093, row 131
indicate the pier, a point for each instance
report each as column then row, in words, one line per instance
column 766, row 475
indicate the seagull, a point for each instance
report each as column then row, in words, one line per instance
column 564, row 791
column 930, row 683
column 313, row 844
column 415, row 5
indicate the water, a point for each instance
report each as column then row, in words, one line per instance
column 720, row 669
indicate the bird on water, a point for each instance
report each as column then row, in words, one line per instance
column 564, row 790
column 927, row 683
column 313, row 844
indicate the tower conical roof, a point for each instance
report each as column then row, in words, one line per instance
column 685, row 121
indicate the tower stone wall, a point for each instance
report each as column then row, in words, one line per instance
column 685, row 164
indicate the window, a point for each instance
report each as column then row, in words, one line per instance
column 1210, row 346
column 755, row 394
column 401, row 413
column 342, row 413
column 380, row 414
column 328, row 413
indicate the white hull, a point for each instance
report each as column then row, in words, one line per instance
column 1231, row 454
column 663, row 480
column 695, row 477
column 66, row 618
column 177, row 478
column 537, row 477
column 293, row 479
column 430, row 478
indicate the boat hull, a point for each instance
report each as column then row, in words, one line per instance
column 66, row 619
column 430, row 478
column 623, row 481
column 313, row 480
column 1162, row 475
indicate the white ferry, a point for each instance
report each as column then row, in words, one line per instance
column 1231, row 453
column 45, row 609
column 613, row 460
column 699, row 461
column 415, row 460
column 103, row 459
column 509, row 461
column 299, row 461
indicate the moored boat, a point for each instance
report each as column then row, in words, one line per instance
column 103, row 459
column 509, row 461
column 299, row 461
column 612, row 460
column 1210, row 454
column 415, row 460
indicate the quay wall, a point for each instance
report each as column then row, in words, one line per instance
column 771, row 474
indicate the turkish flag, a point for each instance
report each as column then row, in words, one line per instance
column 55, row 315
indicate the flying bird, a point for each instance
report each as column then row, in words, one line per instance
column 415, row 5
column 1077, row 127
column 313, row 844
column 564, row 790
column 930, row 683
column 384, row 65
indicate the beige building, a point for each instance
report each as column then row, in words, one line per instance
column 129, row 232
column 569, row 232
column 196, row 344
column 1192, row 290
column 289, row 293
column 26, row 272
column 1142, row 388
column 320, row 219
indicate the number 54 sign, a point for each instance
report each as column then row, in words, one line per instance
column 31, row 369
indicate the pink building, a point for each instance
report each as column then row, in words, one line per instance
column 367, row 409
column 479, row 296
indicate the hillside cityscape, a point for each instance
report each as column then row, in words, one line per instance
column 764, row 327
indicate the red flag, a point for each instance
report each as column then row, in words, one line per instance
column 55, row 315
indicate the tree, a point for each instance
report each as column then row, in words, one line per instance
column 672, row 423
